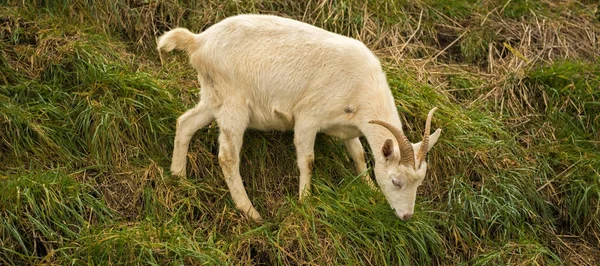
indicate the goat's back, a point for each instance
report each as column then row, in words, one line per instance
column 267, row 47
column 281, row 66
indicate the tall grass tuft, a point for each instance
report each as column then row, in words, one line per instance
column 43, row 213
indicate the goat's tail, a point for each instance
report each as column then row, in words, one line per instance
column 178, row 39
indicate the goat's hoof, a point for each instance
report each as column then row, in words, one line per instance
column 304, row 197
column 253, row 214
column 178, row 173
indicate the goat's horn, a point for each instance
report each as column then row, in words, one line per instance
column 425, row 143
column 407, row 156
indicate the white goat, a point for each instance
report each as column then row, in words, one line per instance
column 272, row 73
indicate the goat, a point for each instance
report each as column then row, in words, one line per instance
column 272, row 73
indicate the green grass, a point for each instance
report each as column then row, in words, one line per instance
column 87, row 120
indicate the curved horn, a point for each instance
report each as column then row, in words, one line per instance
column 425, row 143
column 407, row 156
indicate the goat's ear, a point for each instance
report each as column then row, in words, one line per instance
column 433, row 138
column 388, row 149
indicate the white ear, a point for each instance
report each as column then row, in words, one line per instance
column 433, row 138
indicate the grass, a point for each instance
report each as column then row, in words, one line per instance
column 87, row 120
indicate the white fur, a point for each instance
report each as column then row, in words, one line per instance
column 272, row 73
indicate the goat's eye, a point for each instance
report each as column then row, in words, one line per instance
column 396, row 182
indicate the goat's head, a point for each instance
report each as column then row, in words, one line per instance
column 403, row 171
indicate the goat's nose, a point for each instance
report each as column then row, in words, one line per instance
column 406, row 216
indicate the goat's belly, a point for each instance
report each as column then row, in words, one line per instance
column 263, row 117
column 266, row 126
column 343, row 132
column 271, row 123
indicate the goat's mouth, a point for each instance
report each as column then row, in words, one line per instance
column 404, row 216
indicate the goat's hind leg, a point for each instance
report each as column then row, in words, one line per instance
column 232, row 124
column 187, row 124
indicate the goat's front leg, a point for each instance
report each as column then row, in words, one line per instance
column 230, row 143
column 187, row 124
column 357, row 153
column 304, row 139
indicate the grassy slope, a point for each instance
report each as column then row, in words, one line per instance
column 87, row 118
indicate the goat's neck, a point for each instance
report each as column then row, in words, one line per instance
column 376, row 135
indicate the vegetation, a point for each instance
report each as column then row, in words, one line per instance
column 87, row 120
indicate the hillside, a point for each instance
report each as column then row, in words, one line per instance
column 88, row 111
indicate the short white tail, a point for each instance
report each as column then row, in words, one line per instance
column 178, row 39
